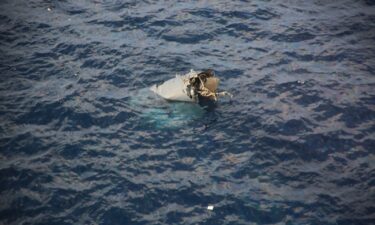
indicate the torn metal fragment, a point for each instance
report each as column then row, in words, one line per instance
column 190, row 87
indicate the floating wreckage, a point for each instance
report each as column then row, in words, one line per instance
column 191, row 87
column 180, row 92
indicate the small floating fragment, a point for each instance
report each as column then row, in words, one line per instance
column 210, row 207
column 49, row 9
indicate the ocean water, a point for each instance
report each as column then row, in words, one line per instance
column 83, row 141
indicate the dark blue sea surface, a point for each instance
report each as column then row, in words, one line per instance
column 84, row 141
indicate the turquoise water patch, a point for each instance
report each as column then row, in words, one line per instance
column 161, row 113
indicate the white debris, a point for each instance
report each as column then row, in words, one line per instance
column 210, row 207
column 49, row 9
column 173, row 89
column 189, row 87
